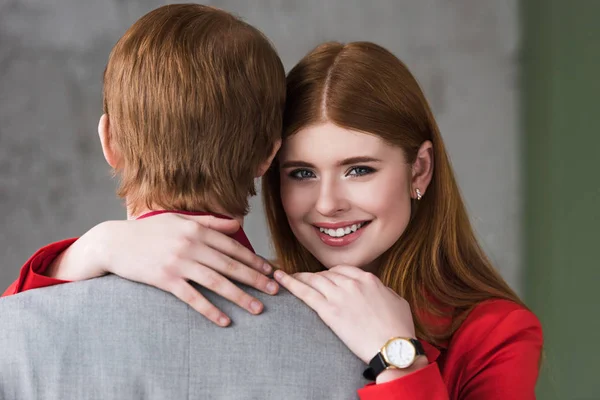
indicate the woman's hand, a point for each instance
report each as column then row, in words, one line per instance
column 167, row 251
column 363, row 312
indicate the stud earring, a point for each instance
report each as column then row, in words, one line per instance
column 418, row 194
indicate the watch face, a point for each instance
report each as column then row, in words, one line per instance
column 400, row 353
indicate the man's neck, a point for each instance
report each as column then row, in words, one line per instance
column 145, row 210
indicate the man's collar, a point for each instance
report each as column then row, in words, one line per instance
column 240, row 235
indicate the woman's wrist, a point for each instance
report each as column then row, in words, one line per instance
column 84, row 259
column 392, row 374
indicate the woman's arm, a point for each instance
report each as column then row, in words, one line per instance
column 493, row 355
column 32, row 274
column 165, row 251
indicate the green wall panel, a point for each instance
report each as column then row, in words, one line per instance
column 561, row 130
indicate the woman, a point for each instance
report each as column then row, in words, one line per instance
column 371, row 231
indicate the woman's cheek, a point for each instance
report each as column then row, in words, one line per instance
column 387, row 200
column 295, row 200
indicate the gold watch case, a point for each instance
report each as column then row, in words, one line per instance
column 394, row 360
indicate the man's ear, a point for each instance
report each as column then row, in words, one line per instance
column 263, row 168
column 111, row 154
column 422, row 170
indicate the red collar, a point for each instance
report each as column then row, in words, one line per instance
column 240, row 235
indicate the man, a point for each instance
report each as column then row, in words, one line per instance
column 193, row 101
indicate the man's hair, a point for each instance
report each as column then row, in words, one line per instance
column 195, row 99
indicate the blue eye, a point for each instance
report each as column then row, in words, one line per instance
column 301, row 174
column 360, row 171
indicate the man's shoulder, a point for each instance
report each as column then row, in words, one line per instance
column 127, row 329
column 109, row 288
column 114, row 301
column 99, row 302
column 110, row 292
column 87, row 313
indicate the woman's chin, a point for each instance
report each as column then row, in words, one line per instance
column 366, row 263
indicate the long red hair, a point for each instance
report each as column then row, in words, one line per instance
column 437, row 264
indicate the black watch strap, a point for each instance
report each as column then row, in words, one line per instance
column 420, row 351
column 378, row 364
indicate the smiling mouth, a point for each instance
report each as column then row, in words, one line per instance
column 343, row 231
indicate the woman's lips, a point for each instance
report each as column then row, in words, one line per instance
column 344, row 240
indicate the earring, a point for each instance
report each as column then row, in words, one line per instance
column 418, row 194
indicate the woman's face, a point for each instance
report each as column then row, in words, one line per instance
column 347, row 194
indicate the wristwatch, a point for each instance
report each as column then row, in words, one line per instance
column 398, row 352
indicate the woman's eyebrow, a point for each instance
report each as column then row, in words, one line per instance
column 358, row 160
column 296, row 164
column 344, row 162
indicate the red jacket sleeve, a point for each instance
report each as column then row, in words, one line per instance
column 494, row 355
column 31, row 273
column 424, row 384
column 506, row 362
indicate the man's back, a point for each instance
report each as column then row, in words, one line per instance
column 110, row 338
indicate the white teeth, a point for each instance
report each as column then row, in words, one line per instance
column 340, row 232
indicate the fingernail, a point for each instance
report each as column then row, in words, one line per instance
column 223, row 321
column 255, row 306
column 279, row 274
column 271, row 287
column 267, row 268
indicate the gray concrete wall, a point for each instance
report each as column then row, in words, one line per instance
column 53, row 179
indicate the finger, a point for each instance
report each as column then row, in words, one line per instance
column 232, row 248
column 336, row 278
column 301, row 290
column 234, row 269
column 317, row 281
column 224, row 225
column 186, row 293
column 214, row 282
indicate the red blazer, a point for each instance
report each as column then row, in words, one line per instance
column 493, row 355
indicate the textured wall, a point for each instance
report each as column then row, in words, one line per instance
column 54, row 182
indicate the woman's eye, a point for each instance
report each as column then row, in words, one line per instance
column 301, row 174
column 360, row 171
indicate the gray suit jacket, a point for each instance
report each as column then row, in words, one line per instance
column 109, row 338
